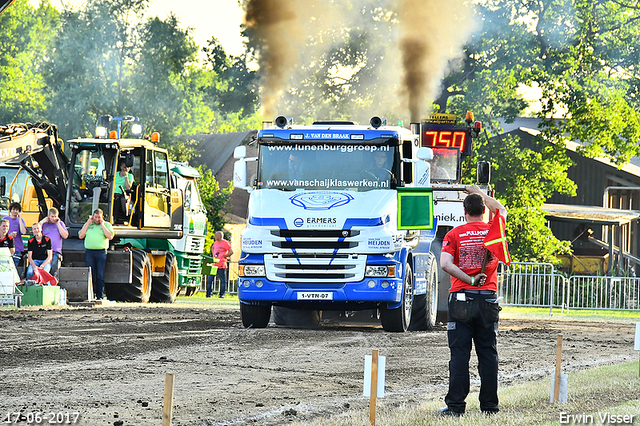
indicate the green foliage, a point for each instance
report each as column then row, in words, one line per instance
column 525, row 180
column 181, row 150
column 25, row 41
column 214, row 199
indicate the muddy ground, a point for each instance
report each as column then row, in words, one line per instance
column 109, row 364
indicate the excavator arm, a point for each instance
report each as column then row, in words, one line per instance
column 37, row 149
column 4, row 4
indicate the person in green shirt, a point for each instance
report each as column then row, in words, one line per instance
column 123, row 183
column 96, row 233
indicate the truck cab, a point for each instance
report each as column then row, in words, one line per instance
column 322, row 232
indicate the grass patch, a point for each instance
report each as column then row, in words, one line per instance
column 572, row 314
column 200, row 299
column 612, row 389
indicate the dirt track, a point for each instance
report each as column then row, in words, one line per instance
column 109, row 364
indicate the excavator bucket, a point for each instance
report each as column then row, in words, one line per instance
column 4, row 4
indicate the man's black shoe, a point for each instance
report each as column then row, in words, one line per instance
column 446, row 412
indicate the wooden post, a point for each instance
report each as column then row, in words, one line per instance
column 167, row 409
column 556, row 385
column 374, row 387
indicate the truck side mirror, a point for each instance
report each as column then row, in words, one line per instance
column 422, row 168
column 483, row 175
column 240, row 173
column 240, row 152
column 3, row 185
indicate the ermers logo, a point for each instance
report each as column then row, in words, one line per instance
column 321, row 200
column 298, row 222
column 316, row 220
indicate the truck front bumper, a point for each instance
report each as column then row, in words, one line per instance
column 259, row 289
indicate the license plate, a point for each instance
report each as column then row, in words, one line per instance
column 315, row 295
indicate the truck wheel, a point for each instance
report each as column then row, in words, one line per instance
column 164, row 289
column 397, row 320
column 300, row 318
column 255, row 316
column 140, row 288
column 425, row 306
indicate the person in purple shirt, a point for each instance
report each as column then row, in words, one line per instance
column 56, row 230
column 17, row 228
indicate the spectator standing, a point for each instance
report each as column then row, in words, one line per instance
column 6, row 240
column 17, row 228
column 473, row 306
column 96, row 233
column 221, row 251
column 54, row 228
column 39, row 253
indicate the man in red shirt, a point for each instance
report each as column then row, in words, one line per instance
column 221, row 251
column 473, row 304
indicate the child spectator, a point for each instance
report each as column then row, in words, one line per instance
column 39, row 253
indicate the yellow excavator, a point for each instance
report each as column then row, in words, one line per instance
column 141, row 264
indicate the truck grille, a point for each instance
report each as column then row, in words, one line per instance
column 313, row 240
column 193, row 265
column 315, row 269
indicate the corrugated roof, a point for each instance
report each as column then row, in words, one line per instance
column 590, row 214
column 216, row 148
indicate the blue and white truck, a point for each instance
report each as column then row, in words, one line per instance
column 327, row 226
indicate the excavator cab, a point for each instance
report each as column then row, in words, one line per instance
column 98, row 182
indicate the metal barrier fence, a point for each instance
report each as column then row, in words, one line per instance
column 232, row 280
column 530, row 284
column 539, row 285
column 617, row 293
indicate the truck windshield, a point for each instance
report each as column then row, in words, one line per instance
column 90, row 189
column 327, row 166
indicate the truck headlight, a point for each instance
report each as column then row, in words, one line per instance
column 380, row 271
column 251, row 271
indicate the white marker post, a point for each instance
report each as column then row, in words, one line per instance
column 374, row 368
column 637, row 344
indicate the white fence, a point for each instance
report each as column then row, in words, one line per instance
column 540, row 285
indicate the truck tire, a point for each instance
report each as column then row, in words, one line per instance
column 397, row 320
column 300, row 318
column 255, row 316
column 140, row 288
column 164, row 289
column 425, row 306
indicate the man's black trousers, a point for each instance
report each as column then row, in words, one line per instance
column 474, row 319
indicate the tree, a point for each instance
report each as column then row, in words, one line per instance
column 582, row 56
column 235, row 88
column 580, row 53
column 25, row 40
column 525, row 179
column 215, row 201
column 88, row 70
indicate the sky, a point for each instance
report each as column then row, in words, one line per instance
column 218, row 18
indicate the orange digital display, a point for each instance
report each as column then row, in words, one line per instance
column 449, row 137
